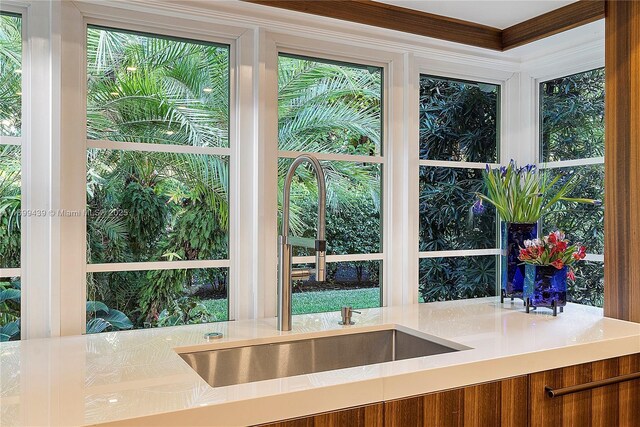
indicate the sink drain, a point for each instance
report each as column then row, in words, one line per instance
column 213, row 335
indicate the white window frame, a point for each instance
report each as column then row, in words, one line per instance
column 462, row 72
column 170, row 148
column 239, row 141
column 53, row 267
column 392, row 171
column 37, row 317
column 576, row 60
column 18, row 141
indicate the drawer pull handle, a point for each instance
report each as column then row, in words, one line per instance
column 588, row 386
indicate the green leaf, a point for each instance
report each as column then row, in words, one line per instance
column 10, row 294
column 97, row 325
column 97, row 306
column 118, row 319
column 10, row 330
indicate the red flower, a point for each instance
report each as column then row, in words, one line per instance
column 524, row 255
column 552, row 238
column 571, row 275
column 558, row 264
column 582, row 252
column 561, row 246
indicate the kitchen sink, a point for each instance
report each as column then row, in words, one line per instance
column 244, row 364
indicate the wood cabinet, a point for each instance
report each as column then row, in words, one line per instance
column 587, row 402
column 361, row 416
column 498, row 403
column 605, row 393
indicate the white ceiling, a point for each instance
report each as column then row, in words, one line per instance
column 499, row 14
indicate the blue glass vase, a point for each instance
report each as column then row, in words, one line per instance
column 545, row 286
column 513, row 236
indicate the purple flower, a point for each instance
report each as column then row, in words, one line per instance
column 597, row 202
column 503, row 171
column 487, row 168
column 478, row 208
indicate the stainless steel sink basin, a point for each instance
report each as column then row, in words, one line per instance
column 238, row 365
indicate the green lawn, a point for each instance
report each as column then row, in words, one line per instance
column 318, row 302
column 314, row 302
column 217, row 307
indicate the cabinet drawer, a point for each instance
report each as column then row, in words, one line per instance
column 604, row 393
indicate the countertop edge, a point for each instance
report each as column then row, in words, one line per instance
column 323, row 399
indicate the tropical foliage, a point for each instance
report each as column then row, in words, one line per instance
column 148, row 205
column 156, row 206
column 458, row 122
column 10, row 204
column 10, row 74
column 572, row 127
column 334, row 108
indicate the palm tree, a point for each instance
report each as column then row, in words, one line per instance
column 155, row 90
column 10, row 74
column 329, row 107
column 10, row 200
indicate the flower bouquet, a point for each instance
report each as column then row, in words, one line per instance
column 548, row 265
column 521, row 197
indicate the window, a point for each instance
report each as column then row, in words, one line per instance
column 10, row 174
column 157, row 180
column 572, row 143
column 334, row 111
column 458, row 137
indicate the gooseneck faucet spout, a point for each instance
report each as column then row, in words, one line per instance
column 285, row 242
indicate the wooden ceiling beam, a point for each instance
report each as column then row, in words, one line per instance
column 444, row 28
column 554, row 22
column 396, row 18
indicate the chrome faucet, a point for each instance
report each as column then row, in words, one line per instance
column 286, row 272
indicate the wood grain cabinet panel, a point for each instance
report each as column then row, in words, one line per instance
column 362, row 416
column 613, row 405
column 581, row 401
column 499, row 403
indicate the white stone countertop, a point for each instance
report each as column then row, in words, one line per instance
column 138, row 378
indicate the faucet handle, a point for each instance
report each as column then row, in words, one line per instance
column 300, row 274
column 346, row 313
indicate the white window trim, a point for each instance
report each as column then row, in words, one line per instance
column 339, row 258
column 157, row 148
column 157, row 265
column 572, row 163
column 53, row 302
column 577, row 60
column 392, row 164
column 455, row 71
column 459, row 253
column 11, row 140
column 18, row 141
column 73, row 263
column 456, row 164
column 172, row 148
column 333, row 157
column 10, row 272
